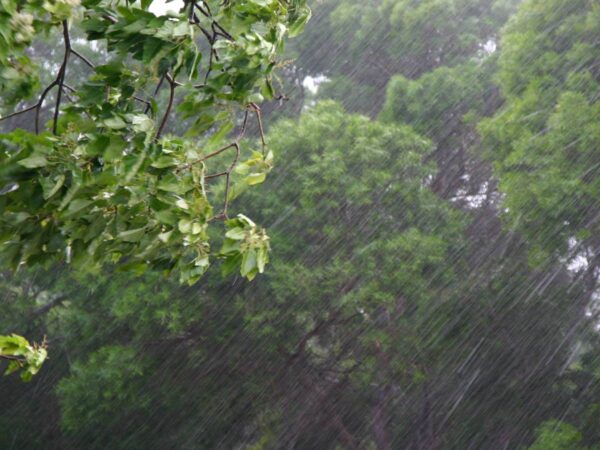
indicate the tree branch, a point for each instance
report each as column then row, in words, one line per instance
column 158, row 86
column 48, row 306
column 172, row 86
column 257, row 111
column 83, row 58
column 61, row 74
column 30, row 108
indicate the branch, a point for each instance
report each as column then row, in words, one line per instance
column 257, row 111
column 61, row 74
column 30, row 108
column 243, row 130
column 172, row 86
column 65, row 91
column 216, row 152
column 210, row 64
column 48, row 306
column 58, row 81
column 225, row 173
column 111, row 19
column 160, row 82
column 83, row 58
column 204, row 13
column 223, row 214
column 235, row 144
column 221, row 32
column 141, row 100
column 39, row 104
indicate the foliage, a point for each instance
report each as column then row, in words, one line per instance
column 21, row 355
column 367, row 43
column 436, row 103
column 108, row 381
column 341, row 326
column 554, row 435
column 544, row 141
column 105, row 185
column 399, row 311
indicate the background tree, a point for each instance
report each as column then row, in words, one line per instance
column 401, row 309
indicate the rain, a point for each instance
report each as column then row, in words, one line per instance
column 225, row 228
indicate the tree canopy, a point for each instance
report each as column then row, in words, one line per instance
column 433, row 259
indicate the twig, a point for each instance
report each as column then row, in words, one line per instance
column 71, row 99
column 141, row 100
column 61, row 74
column 19, row 112
column 204, row 13
column 221, row 150
column 39, row 104
column 208, row 36
column 13, row 358
column 221, row 32
column 210, row 64
column 223, row 214
column 215, row 175
column 172, row 86
column 160, row 82
column 110, row 18
column 257, row 111
column 83, row 58
column 243, row 130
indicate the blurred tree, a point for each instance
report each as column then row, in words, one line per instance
column 444, row 105
column 382, row 322
column 369, row 42
column 398, row 311
column 557, row 436
column 544, row 141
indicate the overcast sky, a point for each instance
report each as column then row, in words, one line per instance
column 161, row 6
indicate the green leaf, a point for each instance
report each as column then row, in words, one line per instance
column 170, row 183
column 297, row 26
column 255, row 178
column 52, row 186
column 257, row 97
column 77, row 205
column 33, row 161
column 231, row 264
column 185, row 226
column 219, row 135
column 249, row 263
column 236, row 233
column 262, row 259
column 115, row 123
column 164, row 161
column 134, row 235
column 141, row 123
column 230, row 246
column 13, row 345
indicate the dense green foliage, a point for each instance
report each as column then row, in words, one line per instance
column 545, row 139
column 554, row 435
column 433, row 272
column 106, row 185
column 366, row 43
